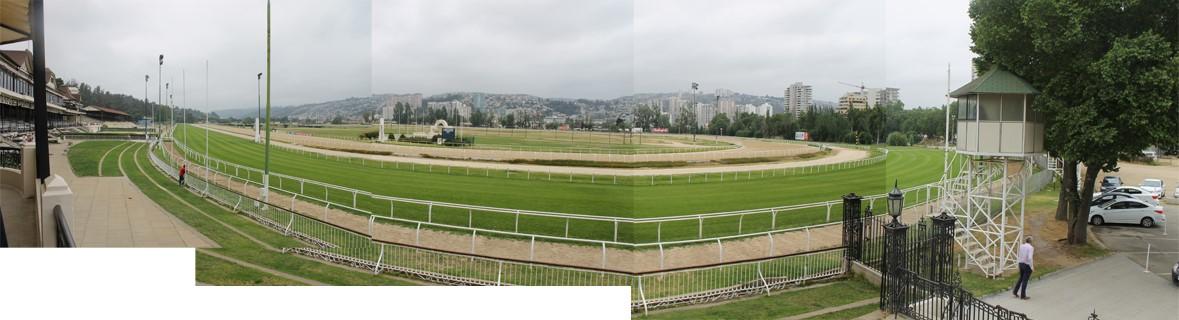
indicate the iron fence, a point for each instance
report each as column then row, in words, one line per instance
column 926, row 299
column 10, row 158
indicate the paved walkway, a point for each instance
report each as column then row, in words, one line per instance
column 20, row 222
column 112, row 212
column 1116, row 287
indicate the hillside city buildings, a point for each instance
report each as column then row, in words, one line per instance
column 869, row 98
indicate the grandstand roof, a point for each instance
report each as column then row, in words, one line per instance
column 14, row 21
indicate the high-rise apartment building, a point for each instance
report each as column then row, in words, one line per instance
column 797, row 99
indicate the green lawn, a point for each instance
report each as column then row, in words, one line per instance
column 84, row 158
column 780, row 305
column 223, row 227
column 536, row 140
column 533, row 191
column 215, row 271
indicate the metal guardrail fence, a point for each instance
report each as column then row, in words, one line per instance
column 65, row 237
column 418, row 213
column 648, row 290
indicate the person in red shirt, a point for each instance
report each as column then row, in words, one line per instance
column 183, row 168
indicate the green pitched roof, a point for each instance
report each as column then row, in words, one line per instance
column 995, row 81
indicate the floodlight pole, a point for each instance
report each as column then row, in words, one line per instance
column 266, row 161
column 184, row 95
column 259, row 116
column 159, row 90
column 146, row 105
column 946, row 150
column 207, row 111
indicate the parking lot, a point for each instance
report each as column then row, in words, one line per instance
column 1162, row 241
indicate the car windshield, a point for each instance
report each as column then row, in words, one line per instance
column 1152, row 183
column 1109, row 180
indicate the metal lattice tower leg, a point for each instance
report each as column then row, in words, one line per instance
column 987, row 198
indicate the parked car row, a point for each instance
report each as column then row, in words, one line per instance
column 1118, row 203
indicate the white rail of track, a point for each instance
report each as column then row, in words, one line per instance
column 921, row 194
column 650, row 290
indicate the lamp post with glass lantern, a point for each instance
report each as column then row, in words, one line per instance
column 895, row 244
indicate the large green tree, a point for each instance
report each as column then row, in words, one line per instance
column 1107, row 71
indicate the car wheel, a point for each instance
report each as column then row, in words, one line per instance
column 1097, row 221
column 1147, row 222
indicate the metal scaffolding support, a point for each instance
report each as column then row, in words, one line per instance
column 987, row 198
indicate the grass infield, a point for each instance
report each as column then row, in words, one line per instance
column 534, row 191
column 534, row 140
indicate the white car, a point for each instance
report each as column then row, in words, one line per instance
column 1132, row 211
column 1154, row 186
column 1137, row 192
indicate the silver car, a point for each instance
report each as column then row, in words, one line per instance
column 1154, row 186
column 1131, row 211
column 1136, row 192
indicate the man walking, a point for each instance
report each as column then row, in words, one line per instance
column 1025, row 268
column 183, row 168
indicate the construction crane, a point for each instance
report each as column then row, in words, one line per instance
column 861, row 85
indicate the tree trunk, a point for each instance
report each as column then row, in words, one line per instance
column 1068, row 185
column 1078, row 210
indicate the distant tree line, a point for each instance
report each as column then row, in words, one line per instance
column 858, row 126
column 97, row 96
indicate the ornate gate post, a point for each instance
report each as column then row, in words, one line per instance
column 942, row 249
column 853, row 228
column 895, row 245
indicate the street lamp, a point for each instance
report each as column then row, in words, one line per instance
column 164, row 104
column 258, row 118
column 896, row 200
column 146, row 105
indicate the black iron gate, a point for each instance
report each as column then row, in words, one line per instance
column 916, row 263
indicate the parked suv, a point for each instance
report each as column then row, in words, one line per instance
column 1109, row 183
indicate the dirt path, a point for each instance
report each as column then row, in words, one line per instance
column 839, row 155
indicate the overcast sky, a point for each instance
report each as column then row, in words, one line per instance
column 551, row 48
